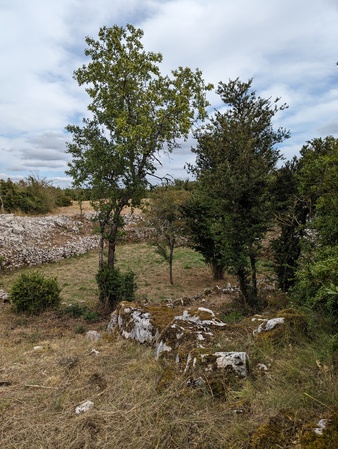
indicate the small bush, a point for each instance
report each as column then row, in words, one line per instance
column 115, row 286
column 76, row 310
column 315, row 284
column 33, row 293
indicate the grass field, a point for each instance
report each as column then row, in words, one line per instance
column 40, row 388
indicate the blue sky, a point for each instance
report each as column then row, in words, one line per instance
column 288, row 47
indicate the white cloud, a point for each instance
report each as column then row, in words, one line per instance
column 290, row 48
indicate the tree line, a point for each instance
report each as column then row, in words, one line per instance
column 32, row 195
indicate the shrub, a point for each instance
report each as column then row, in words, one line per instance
column 33, row 293
column 76, row 310
column 115, row 286
column 315, row 281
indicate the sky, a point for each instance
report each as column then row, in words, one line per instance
column 288, row 47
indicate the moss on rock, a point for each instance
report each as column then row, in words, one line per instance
column 320, row 436
column 285, row 327
column 279, row 431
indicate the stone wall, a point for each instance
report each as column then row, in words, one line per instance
column 34, row 240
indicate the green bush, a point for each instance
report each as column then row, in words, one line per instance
column 76, row 310
column 314, row 282
column 115, row 286
column 33, row 293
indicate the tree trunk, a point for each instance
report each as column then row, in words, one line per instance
column 112, row 245
column 217, row 271
column 101, row 246
column 2, row 205
column 243, row 284
column 171, row 256
column 254, row 293
column 115, row 225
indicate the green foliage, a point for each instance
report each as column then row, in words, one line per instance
column 316, row 279
column 32, row 196
column 333, row 290
column 200, row 219
column 33, row 293
column 318, row 186
column 291, row 214
column 164, row 216
column 235, row 159
column 318, row 265
column 135, row 112
column 77, row 310
column 115, row 286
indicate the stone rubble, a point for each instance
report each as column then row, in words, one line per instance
column 27, row 241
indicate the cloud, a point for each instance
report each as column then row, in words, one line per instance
column 288, row 47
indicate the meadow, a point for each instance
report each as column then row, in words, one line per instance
column 48, row 367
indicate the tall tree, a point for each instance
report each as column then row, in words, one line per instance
column 317, row 270
column 134, row 113
column 290, row 212
column 235, row 158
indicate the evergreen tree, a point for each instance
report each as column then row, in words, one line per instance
column 235, row 158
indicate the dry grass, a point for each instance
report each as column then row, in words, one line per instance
column 41, row 387
column 74, row 209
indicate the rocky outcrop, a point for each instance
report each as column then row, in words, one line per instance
column 183, row 339
column 193, row 328
column 134, row 323
column 285, row 430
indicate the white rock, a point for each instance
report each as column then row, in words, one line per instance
column 261, row 367
column 162, row 347
column 239, row 361
column 88, row 405
column 268, row 325
column 133, row 324
column 93, row 336
column 321, row 426
column 204, row 309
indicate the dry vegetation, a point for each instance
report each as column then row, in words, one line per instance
column 40, row 388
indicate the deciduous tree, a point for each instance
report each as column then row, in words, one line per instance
column 135, row 112
column 163, row 215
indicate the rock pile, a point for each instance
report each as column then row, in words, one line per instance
column 35, row 240
column 28, row 241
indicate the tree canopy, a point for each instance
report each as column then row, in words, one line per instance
column 135, row 112
column 235, row 157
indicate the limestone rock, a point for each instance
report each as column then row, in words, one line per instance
column 268, row 325
column 285, row 327
column 193, row 328
column 4, row 296
column 93, row 336
column 85, row 407
column 26, row 241
column 136, row 322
